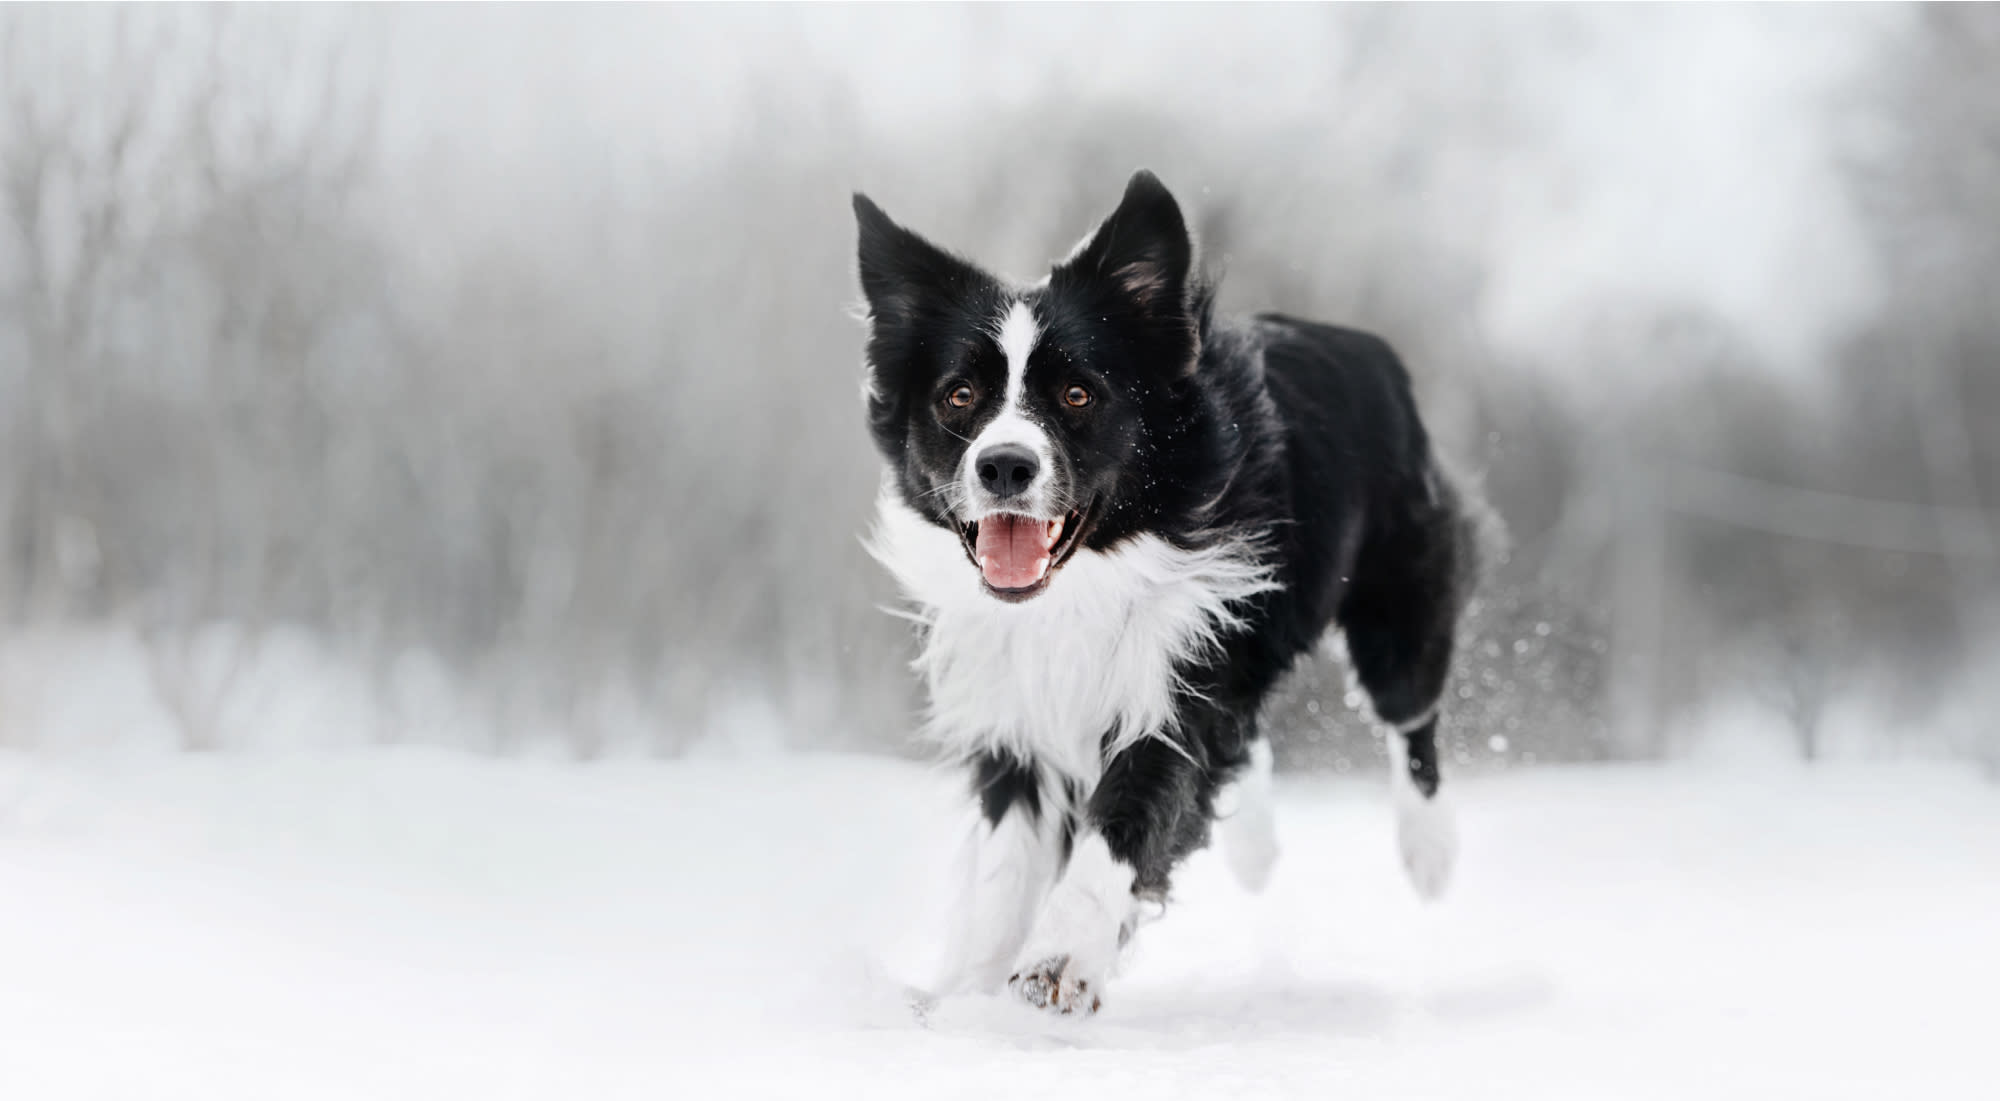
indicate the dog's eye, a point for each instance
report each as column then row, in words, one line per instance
column 1076, row 397
column 959, row 397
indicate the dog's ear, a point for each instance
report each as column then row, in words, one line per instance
column 1142, row 251
column 901, row 271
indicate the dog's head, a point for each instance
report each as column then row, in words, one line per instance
column 1026, row 419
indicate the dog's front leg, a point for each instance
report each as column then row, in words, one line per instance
column 1150, row 809
column 1004, row 868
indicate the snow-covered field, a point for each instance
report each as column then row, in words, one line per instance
column 391, row 923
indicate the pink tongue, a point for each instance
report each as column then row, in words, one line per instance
column 1013, row 551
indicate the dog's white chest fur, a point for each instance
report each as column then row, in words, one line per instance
column 1095, row 655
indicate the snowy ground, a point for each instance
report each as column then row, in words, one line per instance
column 386, row 924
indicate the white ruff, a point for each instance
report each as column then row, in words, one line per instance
column 1096, row 653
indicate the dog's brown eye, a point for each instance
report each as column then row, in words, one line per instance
column 1076, row 397
column 960, row 397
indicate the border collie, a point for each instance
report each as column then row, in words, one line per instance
column 1121, row 520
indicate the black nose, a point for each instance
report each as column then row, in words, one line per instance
column 1006, row 470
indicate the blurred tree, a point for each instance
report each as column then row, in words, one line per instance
column 1923, row 389
column 176, row 256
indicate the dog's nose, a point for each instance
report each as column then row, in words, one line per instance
column 1007, row 470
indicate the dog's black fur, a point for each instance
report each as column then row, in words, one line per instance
column 1298, row 439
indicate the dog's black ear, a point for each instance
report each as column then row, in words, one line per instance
column 1142, row 250
column 900, row 270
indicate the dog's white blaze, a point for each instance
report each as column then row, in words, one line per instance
column 1083, row 914
column 1095, row 653
column 1017, row 336
column 1003, row 873
column 1016, row 332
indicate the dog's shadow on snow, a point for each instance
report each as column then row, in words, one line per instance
column 1230, row 1013
column 1162, row 1016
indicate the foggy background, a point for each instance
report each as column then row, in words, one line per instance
column 488, row 376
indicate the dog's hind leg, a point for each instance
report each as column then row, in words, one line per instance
column 1004, row 868
column 1401, row 618
column 1245, row 819
column 1426, row 829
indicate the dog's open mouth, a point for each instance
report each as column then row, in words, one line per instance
column 1017, row 554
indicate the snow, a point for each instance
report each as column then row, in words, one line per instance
column 387, row 923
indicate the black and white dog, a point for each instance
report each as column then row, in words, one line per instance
column 1121, row 520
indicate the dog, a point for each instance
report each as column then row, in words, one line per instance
column 1121, row 520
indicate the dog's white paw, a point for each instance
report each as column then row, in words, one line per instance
column 1083, row 924
column 1057, row 987
column 1249, row 828
column 1250, row 845
column 1427, row 834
